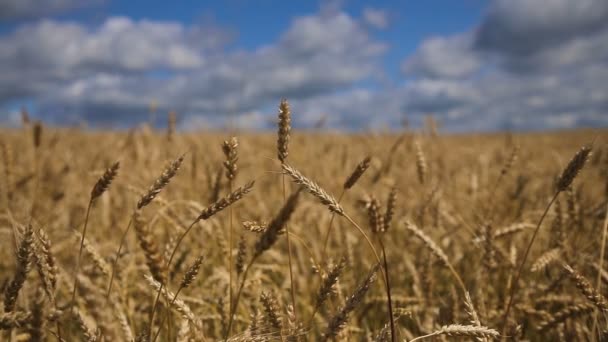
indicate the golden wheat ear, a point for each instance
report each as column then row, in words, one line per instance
column 105, row 180
column 338, row 322
column 314, row 189
column 575, row 165
column 357, row 173
column 24, row 255
column 169, row 172
column 284, row 131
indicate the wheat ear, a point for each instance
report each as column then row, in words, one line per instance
column 24, row 255
column 458, row 330
column 338, row 321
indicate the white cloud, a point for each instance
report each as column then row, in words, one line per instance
column 93, row 72
column 326, row 64
column 529, row 64
column 24, row 9
column 119, row 44
column 376, row 18
column 450, row 57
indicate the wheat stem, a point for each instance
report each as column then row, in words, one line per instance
column 84, row 232
column 514, row 284
column 293, row 289
column 115, row 262
column 329, row 229
column 598, row 282
column 388, row 290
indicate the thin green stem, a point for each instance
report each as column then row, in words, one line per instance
column 514, row 285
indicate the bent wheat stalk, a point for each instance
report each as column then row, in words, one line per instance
column 575, row 165
column 98, row 189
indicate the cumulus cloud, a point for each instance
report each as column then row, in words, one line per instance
column 450, row 57
column 542, row 65
column 26, row 9
column 124, row 65
column 376, row 18
column 529, row 34
column 528, row 65
column 522, row 27
column 41, row 59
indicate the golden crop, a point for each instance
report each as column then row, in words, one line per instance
column 300, row 237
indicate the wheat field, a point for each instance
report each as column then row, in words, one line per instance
column 158, row 235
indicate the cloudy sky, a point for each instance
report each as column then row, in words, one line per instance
column 475, row 65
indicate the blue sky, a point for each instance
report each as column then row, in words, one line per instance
column 474, row 65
